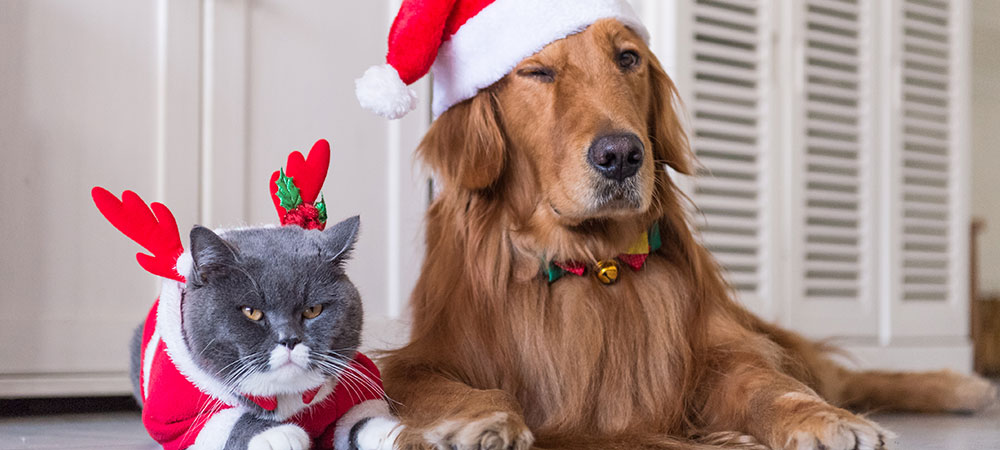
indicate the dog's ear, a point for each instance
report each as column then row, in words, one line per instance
column 466, row 144
column 670, row 142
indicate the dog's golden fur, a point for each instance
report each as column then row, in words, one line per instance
column 499, row 358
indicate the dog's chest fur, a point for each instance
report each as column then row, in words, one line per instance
column 603, row 358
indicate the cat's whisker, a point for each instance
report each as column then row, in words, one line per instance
column 361, row 384
column 367, row 374
column 239, row 375
column 342, row 358
column 239, row 361
column 202, row 352
column 353, row 377
column 341, row 374
column 204, row 415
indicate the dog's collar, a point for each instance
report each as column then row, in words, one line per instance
column 607, row 271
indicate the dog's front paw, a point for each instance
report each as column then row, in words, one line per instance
column 497, row 431
column 835, row 429
column 282, row 437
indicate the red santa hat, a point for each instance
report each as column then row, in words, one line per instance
column 470, row 44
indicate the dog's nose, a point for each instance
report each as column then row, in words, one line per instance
column 616, row 156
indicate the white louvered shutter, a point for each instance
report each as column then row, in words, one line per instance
column 834, row 140
column 727, row 98
column 834, row 281
column 931, row 273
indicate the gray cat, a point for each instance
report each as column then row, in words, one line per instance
column 258, row 348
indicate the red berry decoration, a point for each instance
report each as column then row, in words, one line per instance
column 305, row 216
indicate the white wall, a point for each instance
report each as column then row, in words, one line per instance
column 192, row 103
column 986, row 139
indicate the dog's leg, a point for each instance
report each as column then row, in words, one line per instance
column 440, row 413
column 744, row 393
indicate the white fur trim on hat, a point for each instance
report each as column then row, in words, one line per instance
column 381, row 91
column 184, row 265
column 505, row 32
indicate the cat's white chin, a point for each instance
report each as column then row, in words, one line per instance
column 287, row 379
column 287, row 373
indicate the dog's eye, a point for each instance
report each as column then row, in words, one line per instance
column 543, row 74
column 628, row 59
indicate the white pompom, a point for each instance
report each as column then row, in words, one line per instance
column 185, row 264
column 381, row 91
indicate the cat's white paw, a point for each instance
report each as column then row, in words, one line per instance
column 282, row 437
column 378, row 433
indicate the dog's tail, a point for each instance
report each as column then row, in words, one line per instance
column 931, row 392
column 942, row 391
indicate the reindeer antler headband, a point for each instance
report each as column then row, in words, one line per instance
column 294, row 190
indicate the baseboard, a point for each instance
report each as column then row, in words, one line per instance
column 955, row 356
column 65, row 385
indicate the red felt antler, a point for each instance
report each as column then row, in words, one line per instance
column 155, row 230
column 307, row 175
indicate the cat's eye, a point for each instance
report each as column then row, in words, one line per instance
column 253, row 313
column 312, row 311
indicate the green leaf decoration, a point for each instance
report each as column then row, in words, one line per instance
column 288, row 194
column 321, row 207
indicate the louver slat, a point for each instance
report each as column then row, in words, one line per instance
column 833, row 244
column 728, row 75
column 926, row 140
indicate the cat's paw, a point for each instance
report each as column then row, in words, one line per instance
column 497, row 431
column 282, row 437
column 377, row 433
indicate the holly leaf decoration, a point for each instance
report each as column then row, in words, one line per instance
column 288, row 193
column 321, row 207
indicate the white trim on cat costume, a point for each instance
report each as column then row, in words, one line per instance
column 216, row 431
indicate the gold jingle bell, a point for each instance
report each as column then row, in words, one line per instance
column 607, row 272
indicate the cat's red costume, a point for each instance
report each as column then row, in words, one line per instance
column 183, row 406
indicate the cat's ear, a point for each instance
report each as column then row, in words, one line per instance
column 339, row 239
column 210, row 253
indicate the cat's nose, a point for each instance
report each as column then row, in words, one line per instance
column 290, row 341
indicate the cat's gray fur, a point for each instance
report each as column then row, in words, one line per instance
column 280, row 271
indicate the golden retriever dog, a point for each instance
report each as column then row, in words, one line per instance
column 564, row 159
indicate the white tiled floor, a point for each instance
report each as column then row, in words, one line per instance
column 119, row 431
